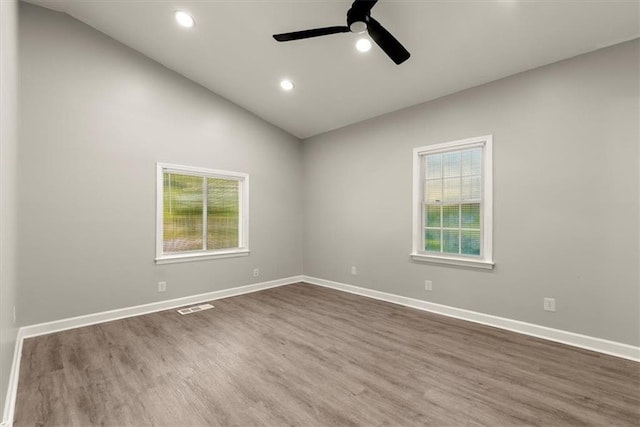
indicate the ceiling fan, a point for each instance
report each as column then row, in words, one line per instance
column 359, row 20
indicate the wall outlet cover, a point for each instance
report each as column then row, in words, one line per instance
column 549, row 304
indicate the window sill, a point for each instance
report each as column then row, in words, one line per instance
column 189, row 257
column 461, row 262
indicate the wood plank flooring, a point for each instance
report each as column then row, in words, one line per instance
column 305, row 355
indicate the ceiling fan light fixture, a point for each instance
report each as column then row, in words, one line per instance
column 363, row 45
column 358, row 27
column 184, row 19
column 286, row 85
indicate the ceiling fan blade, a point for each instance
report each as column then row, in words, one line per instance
column 387, row 42
column 305, row 34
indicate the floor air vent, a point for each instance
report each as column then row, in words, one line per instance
column 194, row 309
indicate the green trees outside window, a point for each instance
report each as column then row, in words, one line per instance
column 193, row 203
column 453, row 197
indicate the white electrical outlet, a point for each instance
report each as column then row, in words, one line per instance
column 162, row 286
column 256, row 272
column 428, row 285
column 549, row 304
column 354, row 270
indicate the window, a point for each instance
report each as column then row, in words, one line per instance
column 201, row 214
column 452, row 203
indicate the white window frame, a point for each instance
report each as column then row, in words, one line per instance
column 485, row 260
column 243, row 237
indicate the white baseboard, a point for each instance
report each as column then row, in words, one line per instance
column 12, row 388
column 107, row 316
column 600, row 345
column 121, row 313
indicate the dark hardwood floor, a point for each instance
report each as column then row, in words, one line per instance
column 305, row 355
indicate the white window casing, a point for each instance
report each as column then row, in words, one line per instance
column 453, row 191
column 164, row 256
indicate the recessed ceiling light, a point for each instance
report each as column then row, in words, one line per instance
column 286, row 84
column 184, row 19
column 363, row 45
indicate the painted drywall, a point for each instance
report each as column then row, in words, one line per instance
column 8, row 150
column 566, row 168
column 95, row 118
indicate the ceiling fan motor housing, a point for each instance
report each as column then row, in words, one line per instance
column 358, row 19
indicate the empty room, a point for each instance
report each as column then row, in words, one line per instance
column 313, row 213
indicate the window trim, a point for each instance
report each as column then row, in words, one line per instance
column 243, row 232
column 485, row 261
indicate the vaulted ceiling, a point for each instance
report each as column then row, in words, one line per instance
column 454, row 45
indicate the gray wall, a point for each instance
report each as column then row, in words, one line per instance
column 95, row 118
column 565, row 197
column 8, row 149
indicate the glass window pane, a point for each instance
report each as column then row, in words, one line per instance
column 450, row 216
column 182, row 213
column 222, row 213
column 471, row 161
column 432, row 240
column 470, row 215
column 471, row 188
column 451, row 241
column 470, row 242
column 452, row 189
column 434, row 190
column 434, row 166
column 451, row 163
column 432, row 214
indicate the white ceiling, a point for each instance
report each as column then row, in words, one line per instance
column 454, row 45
